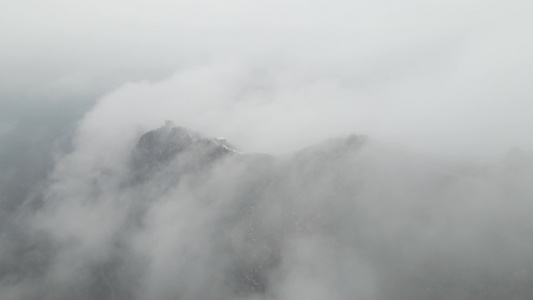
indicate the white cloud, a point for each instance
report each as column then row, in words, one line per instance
column 275, row 75
column 451, row 77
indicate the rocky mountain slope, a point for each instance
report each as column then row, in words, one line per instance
column 190, row 217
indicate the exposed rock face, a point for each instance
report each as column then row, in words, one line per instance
column 161, row 147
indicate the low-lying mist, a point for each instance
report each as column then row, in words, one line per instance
column 375, row 150
column 174, row 214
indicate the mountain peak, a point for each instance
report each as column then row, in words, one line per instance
column 163, row 145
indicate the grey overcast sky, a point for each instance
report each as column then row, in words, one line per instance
column 440, row 76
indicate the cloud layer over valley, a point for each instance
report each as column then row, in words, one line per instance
column 313, row 150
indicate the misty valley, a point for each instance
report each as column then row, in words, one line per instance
column 172, row 214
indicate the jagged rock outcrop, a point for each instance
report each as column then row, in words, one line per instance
column 159, row 148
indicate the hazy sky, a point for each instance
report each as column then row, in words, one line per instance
column 277, row 75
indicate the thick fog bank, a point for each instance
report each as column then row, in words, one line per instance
column 172, row 214
column 286, row 202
